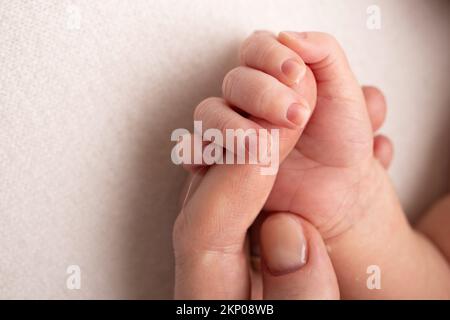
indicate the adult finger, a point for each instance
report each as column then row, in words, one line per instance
column 296, row 265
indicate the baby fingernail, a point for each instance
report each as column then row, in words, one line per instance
column 293, row 70
column 298, row 114
column 283, row 244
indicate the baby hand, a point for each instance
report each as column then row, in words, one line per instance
column 330, row 174
column 275, row 89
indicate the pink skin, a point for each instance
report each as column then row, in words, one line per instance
column 333, row 180
column 210, row 232
column 319, row 178
column 216, row 113
column 435, row 224
column 333, row 176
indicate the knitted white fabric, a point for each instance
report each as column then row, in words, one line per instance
column 91, row 90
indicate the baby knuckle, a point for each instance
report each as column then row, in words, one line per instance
column 253, row 43
column 199, row 111
column 224, row 124
column 331, row 40
column 268, row 52
column 264, row 101
column 262, row 33
column 229, row 81
column 202, row 107
column 243, row 49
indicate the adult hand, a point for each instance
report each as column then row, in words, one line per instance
column 212, row 260
column 210, row 241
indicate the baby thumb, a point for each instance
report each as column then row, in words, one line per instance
column 295, row 262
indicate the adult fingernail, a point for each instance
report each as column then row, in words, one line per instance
column 283, row 244
column 293, row 70
column 298, row 114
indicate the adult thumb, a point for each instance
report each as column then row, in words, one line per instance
column 295, row 261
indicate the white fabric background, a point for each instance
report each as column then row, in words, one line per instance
column 86, row 115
